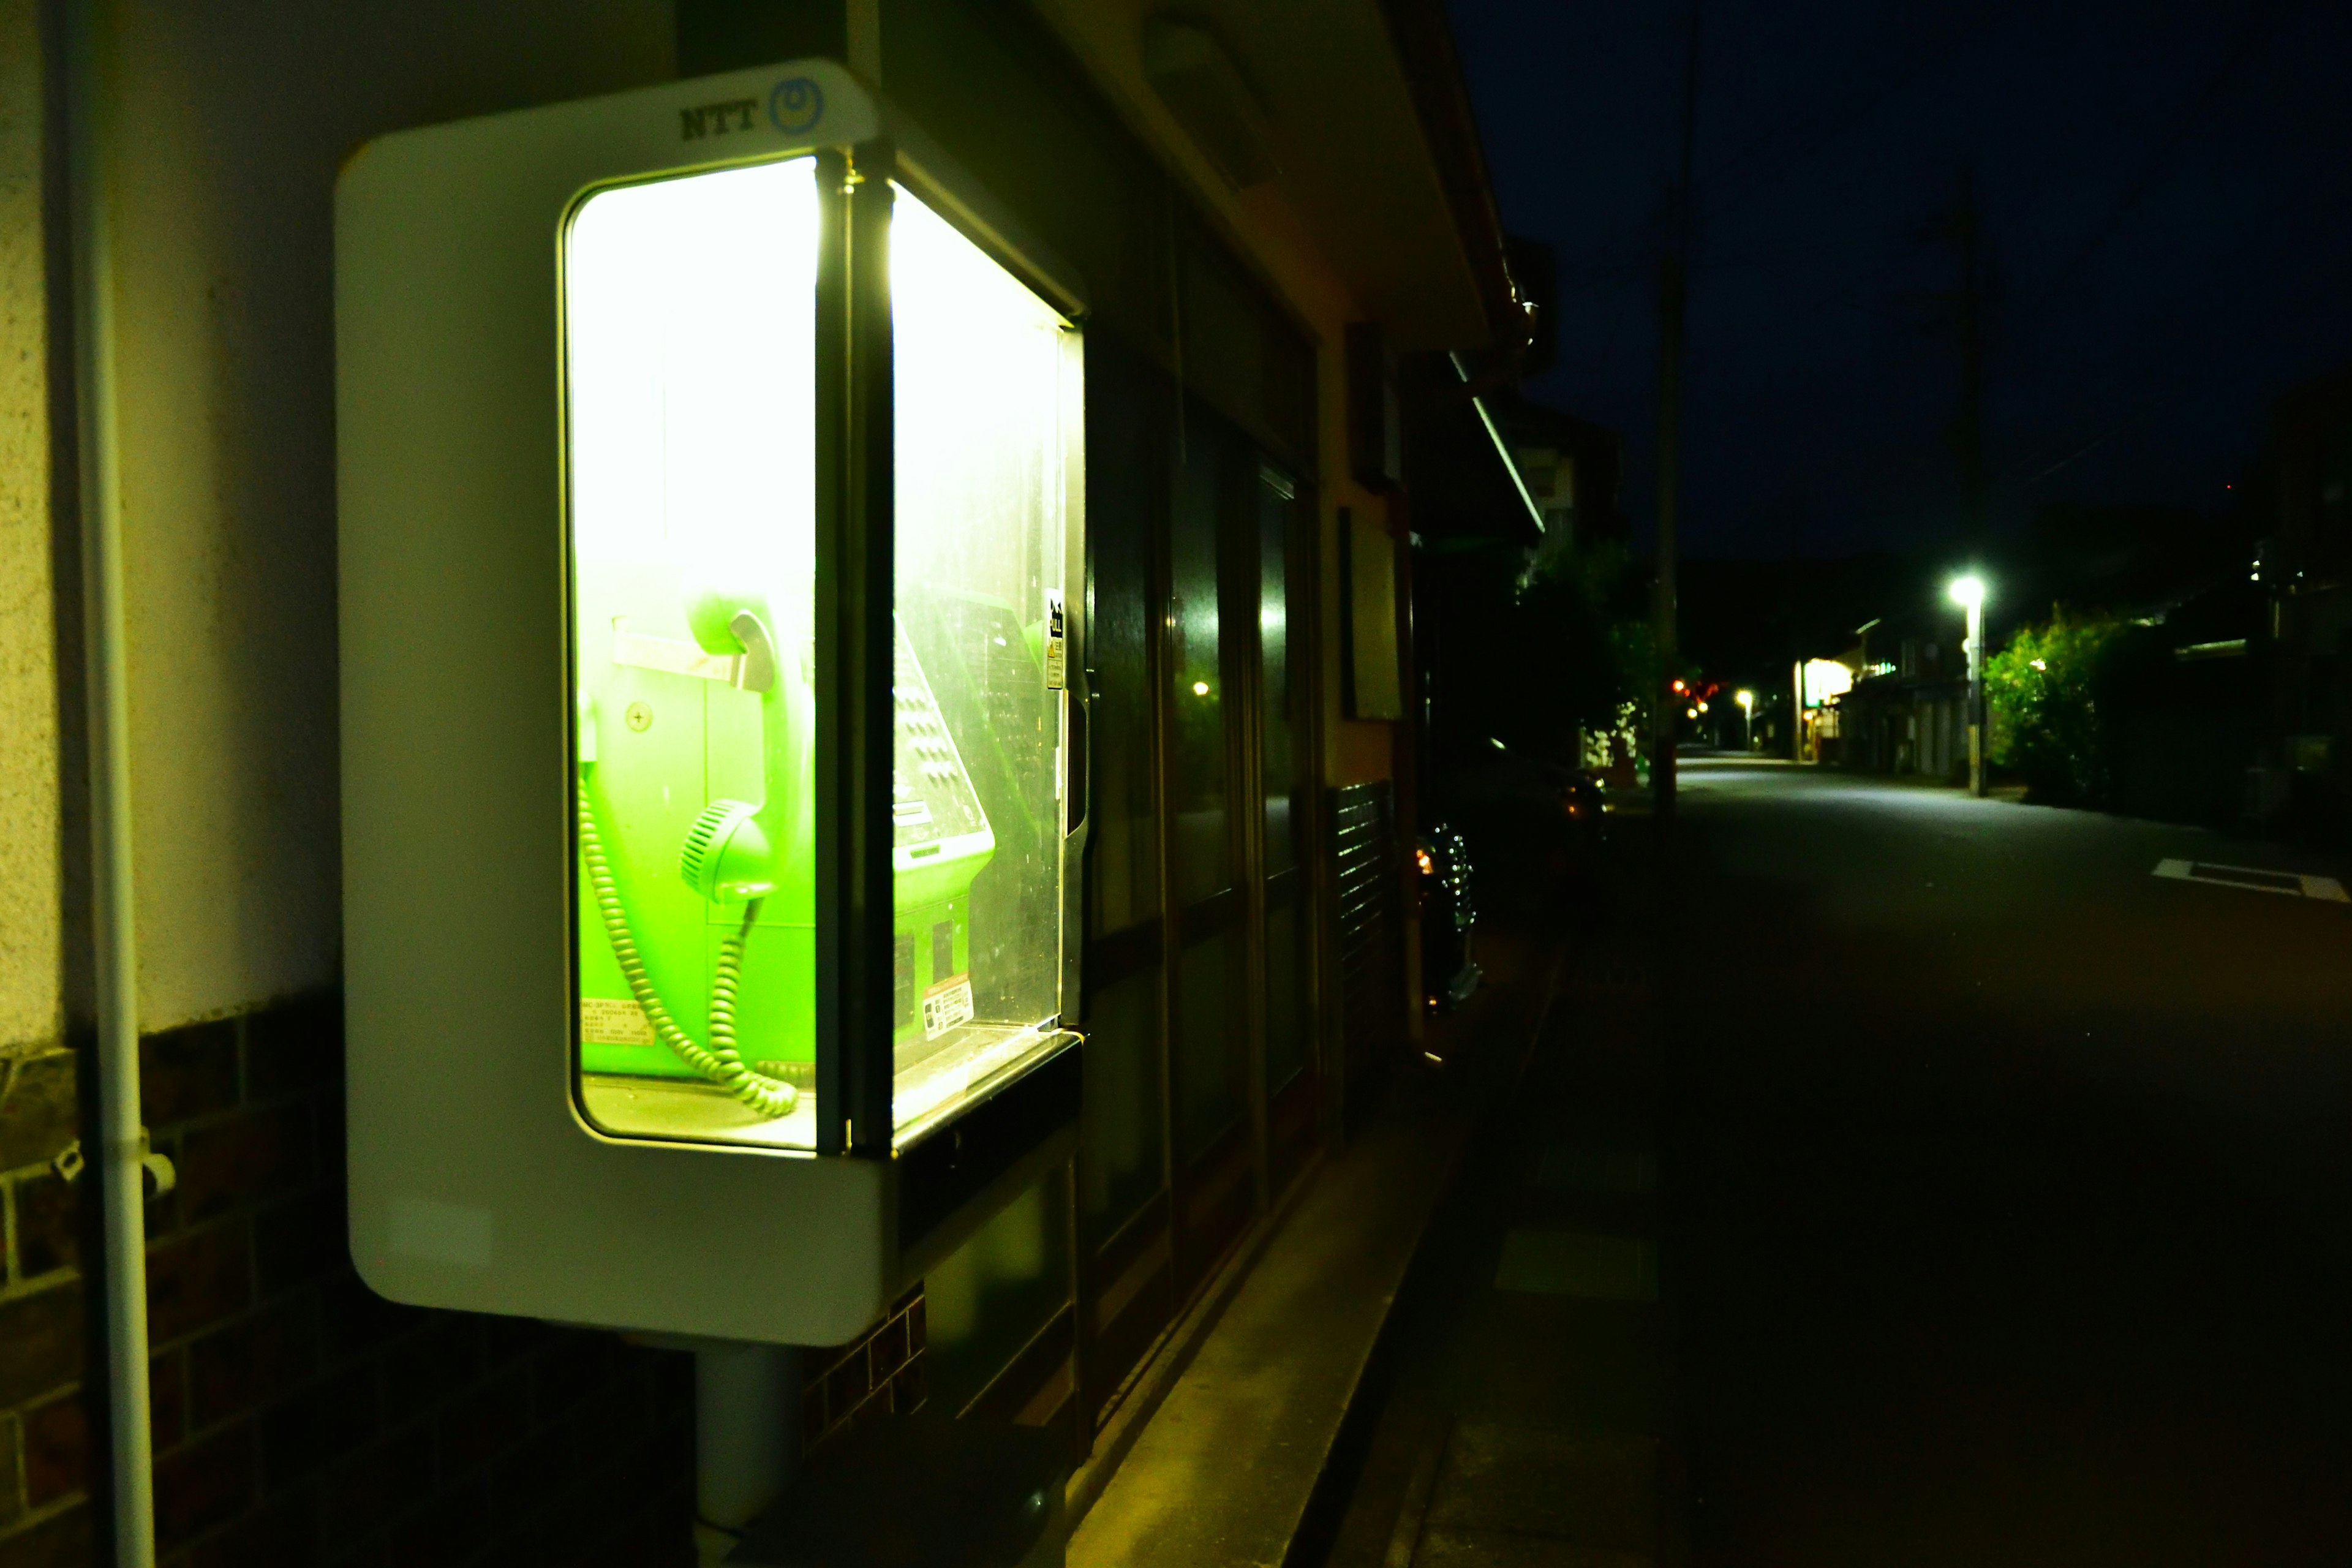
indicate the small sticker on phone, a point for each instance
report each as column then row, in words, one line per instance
column 946, row 1005
column 605, row 1021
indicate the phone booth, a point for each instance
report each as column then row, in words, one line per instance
column 711, row 574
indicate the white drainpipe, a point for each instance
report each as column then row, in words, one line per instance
column 747, row 1427
column 121, row 1137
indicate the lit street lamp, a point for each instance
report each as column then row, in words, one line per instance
column 1969, row 593
column 1747, row 700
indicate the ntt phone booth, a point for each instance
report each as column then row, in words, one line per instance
column 712, row 553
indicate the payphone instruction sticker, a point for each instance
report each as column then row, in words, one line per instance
column 946, row 1005
column 606, row 1022
column 1057, row 665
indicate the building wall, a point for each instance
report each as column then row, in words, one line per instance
column 1266, row 226
column 31, row 878
column 235, row 117
column 1197, row 289
column 2310, row 791
column 297, row 1417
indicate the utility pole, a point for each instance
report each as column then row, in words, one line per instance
column 1968, row 442
column 1977, row 735
column 1672, row 282
column 1969, row 593
column 1968, row 424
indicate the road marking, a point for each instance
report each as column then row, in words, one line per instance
column 1627, row 1172
column 1573, row 1263
column 2255, row 879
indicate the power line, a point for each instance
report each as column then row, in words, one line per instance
column 2183, row 382
column 1629, row 252
column 1829, row 127
column 2241, row 49
column 2222, row 267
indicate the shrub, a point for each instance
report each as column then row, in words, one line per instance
column 2051, row 693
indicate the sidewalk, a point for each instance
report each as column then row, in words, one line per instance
column 1533, row 1422
column 1247, row 1455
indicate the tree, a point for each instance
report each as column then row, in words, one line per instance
column 1529, row 654
column 2052, row 694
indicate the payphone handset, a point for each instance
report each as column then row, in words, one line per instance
column 734, row 855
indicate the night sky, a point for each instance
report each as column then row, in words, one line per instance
column 2166, row 188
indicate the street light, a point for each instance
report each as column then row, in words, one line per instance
column 1747, row 700
column 1969, row 593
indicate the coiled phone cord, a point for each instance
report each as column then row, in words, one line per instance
column 719, row 1063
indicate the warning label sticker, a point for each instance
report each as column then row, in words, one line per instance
column 606, row 1022
column 1056, row 672
column 946, row 1005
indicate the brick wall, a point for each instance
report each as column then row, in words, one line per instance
column 879, row 1373
column 299, row 1418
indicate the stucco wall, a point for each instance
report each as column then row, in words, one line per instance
column 28, row 704
column 235, row 117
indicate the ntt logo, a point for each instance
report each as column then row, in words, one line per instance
column 795, row 104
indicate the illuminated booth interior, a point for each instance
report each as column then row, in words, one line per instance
column 692, row 433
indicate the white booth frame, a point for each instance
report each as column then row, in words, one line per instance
column 475, row 1182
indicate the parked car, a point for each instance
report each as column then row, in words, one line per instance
column 1584, row 802
column 1447, row 918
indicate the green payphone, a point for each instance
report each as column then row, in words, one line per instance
column 710, row 766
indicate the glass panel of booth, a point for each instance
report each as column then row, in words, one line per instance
column 690, row 362
column 979, row 372
column 689, row 313
column 1284, row 778
column 1207, row 616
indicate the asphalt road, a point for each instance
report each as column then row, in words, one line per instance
column 1898, row 1180
column 2005, row 1186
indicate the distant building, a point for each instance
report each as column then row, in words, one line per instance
column 2304, row 778
column 2181, row 709
column 1570, row 467
column 1907, row 710
column 1502, row 487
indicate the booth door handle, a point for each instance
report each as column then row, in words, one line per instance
column 1078, row 769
